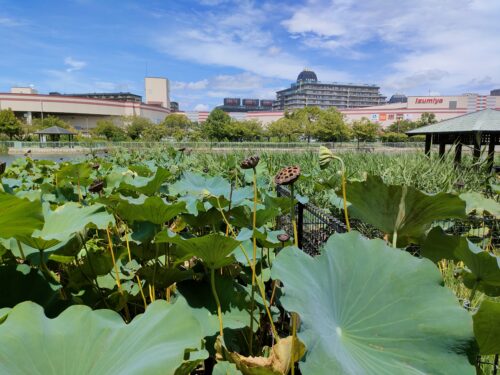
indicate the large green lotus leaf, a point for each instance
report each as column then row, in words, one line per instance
column 19, row 217
column 21, row 283
column 487, row 327
column 439, row 245
column 75, row 172
column 214, row 249
column 152, row 209
column 400, row 209
column 201, row 186
column 234, row 300
column 484, row 268
column 82, row 341
column 62, row 223
column 226, row 368
column 146, row 185
column 367, row 308
column 480, row 205
column 164, row 277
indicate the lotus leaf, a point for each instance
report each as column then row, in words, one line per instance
column 400, row 209
column 277, row 363
column 201, row 186
column 21, row 283
column 487, row 327
column 226, row 368
column 382, row 311
column 480, row 205
column 145, row 185
column 101, row 343
column 484, row 268
column 19, row 217
column 214, row 249
column 152, row 209
column 439, row 245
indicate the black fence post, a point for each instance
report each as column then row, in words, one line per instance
column 300, row 224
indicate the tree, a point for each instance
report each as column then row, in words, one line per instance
column 107, row 129
column 10, row 125
column 308, row 118
column 217, row 125
column 246, row 130
column 331, row 126
column 177, row 125
column 401, row 126
column 136, row 126
column 426, row 118
column 284, row 128
column 49, row 121
column 365, row 131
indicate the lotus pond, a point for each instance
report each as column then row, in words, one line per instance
column 170, row 263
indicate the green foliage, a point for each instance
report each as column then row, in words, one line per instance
column 365, row 131
column 82, row 341
column 393, row 137
column 401, row 212
column 20, row 217
column 284, row 128
column 217, row 125
column 110, row 131
column 136, row 126
column 10, row 125
column 49, row 121
column 177, row 125
column 487, row 327
column 331, row 127
column 381, row 311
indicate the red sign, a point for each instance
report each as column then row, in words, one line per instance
column 428, row 100
column 382, row 117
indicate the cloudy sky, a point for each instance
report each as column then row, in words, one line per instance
column 211, row 49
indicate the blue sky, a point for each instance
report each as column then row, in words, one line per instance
column 211, row 49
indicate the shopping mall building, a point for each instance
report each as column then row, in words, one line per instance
column 83, row 111
column 444, row 107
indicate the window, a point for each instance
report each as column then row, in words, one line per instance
column 391, row 116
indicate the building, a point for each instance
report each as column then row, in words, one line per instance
column 308, row 92
column 246, row 105
column 83, row 111
column 119, row 96
column 174, row 106
column 495, row 92
column 398, row 98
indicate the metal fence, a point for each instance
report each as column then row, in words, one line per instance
column 339, row 146
column 315, row 226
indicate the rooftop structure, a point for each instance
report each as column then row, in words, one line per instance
column 246, row 105
column 120, row 96
column 307, row 91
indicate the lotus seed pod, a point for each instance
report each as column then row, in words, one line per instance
column 287, row 176
column 96, row 186
column 250, row 162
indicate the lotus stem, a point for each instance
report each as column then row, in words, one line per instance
column 21, row 249
column 136, row 276
column 214, row 292
column 115, row 266
column 395, row 240
column 254, row 260
column 296, row 241
column 261, row 288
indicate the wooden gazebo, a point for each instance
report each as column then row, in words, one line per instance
column 475, row 129
column 54, row 133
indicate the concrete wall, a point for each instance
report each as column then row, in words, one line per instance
column 157, row 91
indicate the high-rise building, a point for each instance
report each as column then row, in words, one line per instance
column 157, row 91
column 308, row 91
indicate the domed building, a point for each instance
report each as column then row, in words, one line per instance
column 398, row 98
column 309, row 92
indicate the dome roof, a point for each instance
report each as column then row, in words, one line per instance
column 398, row 98
column 307, row 76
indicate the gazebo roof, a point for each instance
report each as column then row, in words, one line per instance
column 487, row 120
column 55, row 130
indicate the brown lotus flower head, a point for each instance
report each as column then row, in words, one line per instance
column 96, row 166
column 182, row 149
column 283, row 237
column 206, row 170
column 287, row 176
column 96, row 186
column 3, row 166
column 250, row 162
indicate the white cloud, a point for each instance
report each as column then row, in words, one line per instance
column 447, row 45
column 73, row 64
column 201, row 107
column 197, row 85
column 10, row 22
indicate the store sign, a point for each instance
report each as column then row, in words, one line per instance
column 383, row 117
column 428, row 100
column 374, row 117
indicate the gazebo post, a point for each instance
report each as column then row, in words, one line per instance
column 442, row 146
column 458, row 151
column 491, row 151
column 476, row 139
column 428, row 138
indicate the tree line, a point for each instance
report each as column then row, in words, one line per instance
column 304, row 124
